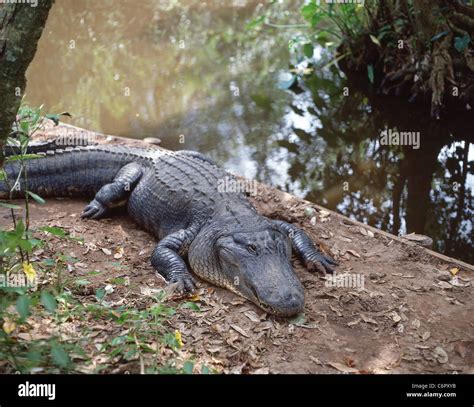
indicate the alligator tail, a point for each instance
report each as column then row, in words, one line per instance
column 72, row 172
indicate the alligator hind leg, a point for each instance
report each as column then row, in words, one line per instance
column 115, row 193
column 166, row 259
column 304, row 248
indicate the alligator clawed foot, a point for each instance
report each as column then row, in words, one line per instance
column 184, row 283
column 316, row 261
column 94, row 210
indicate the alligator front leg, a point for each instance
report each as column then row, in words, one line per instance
column 166, row 259
column 304, row 248
column 113, row 194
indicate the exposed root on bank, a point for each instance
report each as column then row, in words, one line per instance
column 428, row 57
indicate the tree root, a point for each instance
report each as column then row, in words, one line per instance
column 425, row 69
column 463, row 21
column 442, row 68
column 395, row 82
column 469, row 60
column 466, row 10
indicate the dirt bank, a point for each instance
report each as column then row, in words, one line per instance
column 410, row 315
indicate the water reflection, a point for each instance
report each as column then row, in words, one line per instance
column 397, row 188
column 189, row 71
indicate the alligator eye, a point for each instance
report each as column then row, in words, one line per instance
column 252, row 248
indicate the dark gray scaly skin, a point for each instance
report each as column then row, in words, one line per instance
column 175, row 196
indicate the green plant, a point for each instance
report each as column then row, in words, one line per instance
column 39, row 299
column 20, row 295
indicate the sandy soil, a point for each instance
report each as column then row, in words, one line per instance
column 414, row 313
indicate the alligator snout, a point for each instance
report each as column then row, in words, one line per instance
column 273, row 286
column 285, row 302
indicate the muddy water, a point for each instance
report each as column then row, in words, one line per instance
column 190, row 73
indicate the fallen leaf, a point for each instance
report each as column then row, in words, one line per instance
column 118, row 253
column 352, row 323
column 264, row 326
column 455, row 282
column 454, row 271
column 465, row 349
column 444, row 285
column 337, row 311
column 440, row 355
column 262, row 370
column 415, row 323
column 106, row 251
column 368, row 320
column 395, row 317
column 240, row 330
column 343, row 368
column 34, row 336
column 421, row 240
column 252, row 316
column 315, row 360
column 9, row 326
column 353, row 252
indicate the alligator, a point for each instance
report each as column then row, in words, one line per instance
column 175, row 195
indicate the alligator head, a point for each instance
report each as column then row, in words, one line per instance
column 254, row 263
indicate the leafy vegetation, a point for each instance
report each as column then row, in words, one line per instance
column 37, row 296
column 413, row 48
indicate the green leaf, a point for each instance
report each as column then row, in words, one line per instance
column 118, row 340
column 309, row 10
column 54, row 231
column 370, row 73
column 48, row 262
column 118, row 281
column 255, row 22
column 308, row 50
column 205, row 370
column 317, row 17
column 439, row 35
column 23, row 157
column 59, row 355
column 192, row 306
column 20, row 228
column 188, row 367
column 37, row 198
column 169, row 339
column 100, row 294
column 9, row 206
column 23, row 304
column 82, row 282
column 48, row 301
column 461, row 43
column 55, row 117
column 26, row 245
column 34, row 356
